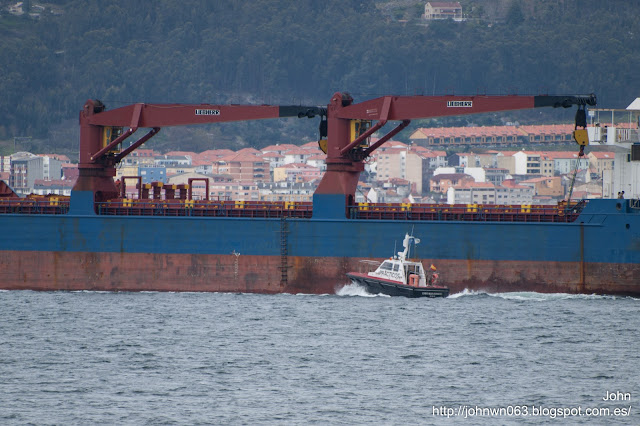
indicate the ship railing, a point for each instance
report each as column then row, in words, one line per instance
column 206, row 208
column 468, row 212
column 35, row 204
column 270, row 209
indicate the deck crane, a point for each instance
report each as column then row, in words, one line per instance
column 345, row 156
column 103, row 131
column 347, row 127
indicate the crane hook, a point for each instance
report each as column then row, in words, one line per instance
column 581, row 136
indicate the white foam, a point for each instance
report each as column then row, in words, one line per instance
column 528, row 295
column 466, row 292
column 353, row 289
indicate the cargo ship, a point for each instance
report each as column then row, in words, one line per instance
column 164, row 240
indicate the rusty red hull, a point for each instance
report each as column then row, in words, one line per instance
column 72, row 271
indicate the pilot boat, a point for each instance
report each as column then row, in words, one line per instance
column 401, row 276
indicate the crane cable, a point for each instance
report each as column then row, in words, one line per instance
column 573, row 180
column 581, row 137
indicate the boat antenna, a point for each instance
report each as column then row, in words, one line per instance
column 409, row 245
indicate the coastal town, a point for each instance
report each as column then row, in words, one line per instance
column 495, row 168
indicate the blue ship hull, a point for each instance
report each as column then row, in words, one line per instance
column 597, row 253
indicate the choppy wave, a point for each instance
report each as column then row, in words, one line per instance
column 354, row 289
column 530, row 295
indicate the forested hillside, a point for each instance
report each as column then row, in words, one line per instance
column 284, row 52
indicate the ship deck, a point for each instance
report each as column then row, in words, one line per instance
column 37, row 205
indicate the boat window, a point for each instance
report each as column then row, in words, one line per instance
column 396, row 267
column 386, row 266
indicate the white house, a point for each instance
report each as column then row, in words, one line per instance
column 443, row 10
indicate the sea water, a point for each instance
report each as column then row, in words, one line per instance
column 85, row 358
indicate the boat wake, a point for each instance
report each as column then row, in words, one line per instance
column 353, row 289
column 528, row 295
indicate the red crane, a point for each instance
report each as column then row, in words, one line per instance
column 346, row 125
column 102, row 132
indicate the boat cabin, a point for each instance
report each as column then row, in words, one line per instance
column 405, row 272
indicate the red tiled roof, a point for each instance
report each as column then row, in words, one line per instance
column 244, row 157
column 554, row 154
column 279, row 148
column 200, row 162
column 272, row 154
column 215, row 154
column 252, row 151
column 310, row 145
column 398, row 181
column 299, row 151
column 390, row 144
column 603, row 155
column 177, row 153
column 427, row 154
column 467, row 184
column 510, row 183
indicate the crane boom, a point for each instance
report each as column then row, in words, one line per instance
column 413, row 107
column 165, row 115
